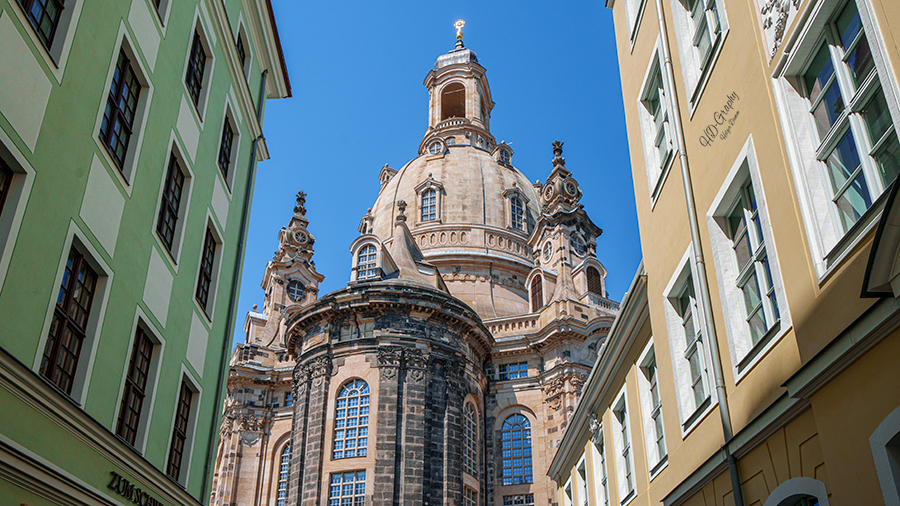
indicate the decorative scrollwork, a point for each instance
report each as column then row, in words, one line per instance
column 416, row 362
column 389, row 359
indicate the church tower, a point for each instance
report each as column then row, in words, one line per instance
column 445, row 371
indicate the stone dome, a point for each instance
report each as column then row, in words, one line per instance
column 473, row 198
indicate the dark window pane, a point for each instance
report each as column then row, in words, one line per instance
column 206, row 269
column 121, row 108
column 196, row 67
column 6, row 175
column 179, row 431
column 171, row 203
column 44, row 17
column 70, row 317
column 225, row 148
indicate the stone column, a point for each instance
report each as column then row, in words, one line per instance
column 300, row 393
column 315, row 452
column 413, row 455
column 387, row 425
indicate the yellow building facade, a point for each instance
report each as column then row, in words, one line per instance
column 752, row 362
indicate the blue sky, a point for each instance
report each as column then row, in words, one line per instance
column 357, row 69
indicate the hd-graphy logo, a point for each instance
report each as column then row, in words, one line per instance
column 723, row 120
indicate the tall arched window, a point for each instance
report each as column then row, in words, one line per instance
column 429, row 205
column 515, row 438
column 283, row 474
column 470, row 441
column 537, row 294
column 453, row 101
column 595, row 282
column 351, row 420
column 517, row 212
column 366, row 265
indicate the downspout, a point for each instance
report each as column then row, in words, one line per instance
column 699, row 263
column 235, row 288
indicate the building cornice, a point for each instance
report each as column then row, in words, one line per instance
column 37, row 393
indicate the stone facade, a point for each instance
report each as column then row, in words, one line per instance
column 476, row 303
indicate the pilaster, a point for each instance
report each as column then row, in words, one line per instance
column 387, row 426
column 311, row 480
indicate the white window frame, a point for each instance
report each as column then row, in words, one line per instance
column 174, row 256
column 567, row 493
column 695, row 70
column 656, row 462
column 378, row 261
column 790, row 491
column 194, row 386
column 634, row 11
column 601, row 479
column 690, row 413
column 126, row 174
column 57, row 56
column 581, row 480
column 744, row 354
column 199, row 26
column 829, row 244
column 76, row 238
column 885, row 443
column 16, row 200
column 159, row 346
column 657, row 167
column 624, row 456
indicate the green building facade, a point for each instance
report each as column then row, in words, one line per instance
column 129, row 136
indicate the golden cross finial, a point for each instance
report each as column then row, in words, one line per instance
column 459, row 26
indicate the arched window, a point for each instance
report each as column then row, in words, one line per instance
column 453, row 101
column 470, row 457
column 595, row 282
column 429, row 205
column 578, row 245
column 799, row 492
column 515, row 438
column 366, row 266
column 283, row 474
column 537, row 294
column 351, row 420
column 517, row 212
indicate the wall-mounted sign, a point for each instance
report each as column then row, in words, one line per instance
column 127, row 490
column 717, row 130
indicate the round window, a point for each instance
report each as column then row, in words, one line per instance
column 570, row 188
column 548, row 193
column 548, row 250
column 300, row 237
column 295, row 290
column 435, row 148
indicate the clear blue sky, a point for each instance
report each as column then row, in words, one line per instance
column 358, row 102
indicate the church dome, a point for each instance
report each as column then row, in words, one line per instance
column 473, row 190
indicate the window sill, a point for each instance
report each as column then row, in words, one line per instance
column 694, row 419
column 759, row 350
column 853, row 237
column 628, row 498
column 663, row 176
column 703, row 80
column 112, row 166
column 658, row 468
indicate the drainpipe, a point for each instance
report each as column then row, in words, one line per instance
column 699, row 263
column 235, row 288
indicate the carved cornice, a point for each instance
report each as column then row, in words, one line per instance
column 554, row 388
column 393, row 358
